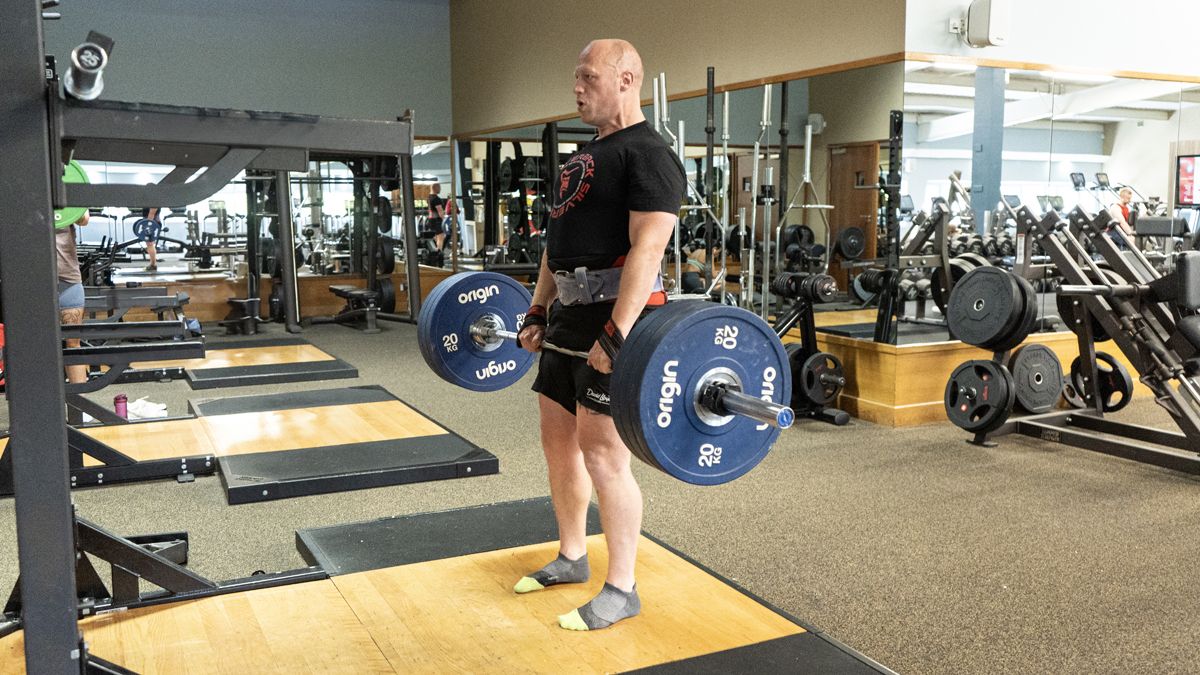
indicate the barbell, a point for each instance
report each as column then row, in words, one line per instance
column 146, row 229
column 699, row 389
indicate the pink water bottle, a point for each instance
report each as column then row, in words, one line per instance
column 121, row 404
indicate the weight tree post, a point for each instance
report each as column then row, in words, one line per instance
column 370, row 187
column 283, row 210
column 887, row 320
column 491, row 196
column 253, row 228
column 710, row 175
column 411, row 269
column 38, row 447
column 783, row 149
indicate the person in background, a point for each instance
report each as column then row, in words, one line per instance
column 154, row 214
column 449, row 223
column 436, row 218
column 1124, row 214
column 70, row 287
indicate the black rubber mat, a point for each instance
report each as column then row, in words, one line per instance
column 800, row 653
column 274, row 373
column 326, row 467
column 250, row 343
column 266, row 476
column 910, row 333
column 403, row 540
column 295, row 400
column 387, row 542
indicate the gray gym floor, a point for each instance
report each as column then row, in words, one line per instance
column 925, row 553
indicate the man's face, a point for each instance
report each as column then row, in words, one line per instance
column 597, row 89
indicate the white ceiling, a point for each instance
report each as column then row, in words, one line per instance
column 941, row 98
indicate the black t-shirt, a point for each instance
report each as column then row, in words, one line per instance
column 437, row 207
column 631, row 170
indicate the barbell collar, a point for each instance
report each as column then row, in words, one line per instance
column 83, row 79
column 724, row 401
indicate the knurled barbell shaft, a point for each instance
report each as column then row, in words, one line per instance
column 489, row 333
column 726, row 401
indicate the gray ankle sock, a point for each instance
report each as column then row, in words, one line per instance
column 561, row 570
column 607, row 608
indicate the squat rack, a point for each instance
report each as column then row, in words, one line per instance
column 42, row 127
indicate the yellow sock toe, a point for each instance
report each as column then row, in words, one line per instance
column 527, row 585
column 572, row 621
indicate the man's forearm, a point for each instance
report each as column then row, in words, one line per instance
column 642, row 265
column 546, row 289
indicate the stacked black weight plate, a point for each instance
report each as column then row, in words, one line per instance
column 387, row 295
column 985, row 307
column 1031, row 310
column 1038, row 376
column 990, row 308
column 975, row 258
column 980, row 396
column 851, row 243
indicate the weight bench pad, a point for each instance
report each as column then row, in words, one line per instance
column 354, row 292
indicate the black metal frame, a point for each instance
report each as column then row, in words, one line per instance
column 158, row 559
column 116, row 302
column 40, row 130
column 1142, row 328
column 115, row 466
column 899, row 256
column 886, row 323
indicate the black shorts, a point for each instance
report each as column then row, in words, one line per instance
column 569, row 380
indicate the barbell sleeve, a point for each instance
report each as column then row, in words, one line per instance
column 724, row 401
column 1113, row 291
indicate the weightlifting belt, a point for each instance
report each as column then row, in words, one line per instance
column 584, row 286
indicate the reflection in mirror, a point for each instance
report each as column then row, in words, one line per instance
column 793, row 230
column 331, row 205
column 1064, row 140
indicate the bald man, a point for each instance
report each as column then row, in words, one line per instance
column 614, row 208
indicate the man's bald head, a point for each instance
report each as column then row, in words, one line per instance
column 618, row 54
column 608, row 84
